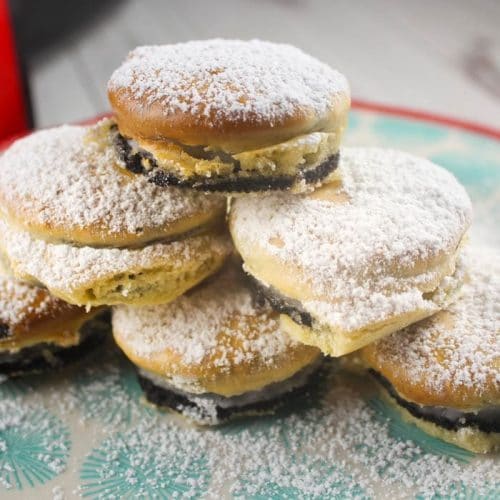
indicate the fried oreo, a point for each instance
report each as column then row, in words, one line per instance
column 443, row 373
column 360, row 257
column 215, row 353
column 229, row 116
column 74, row 220
column 40, row 332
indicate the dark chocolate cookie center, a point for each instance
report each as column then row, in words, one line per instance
column 140, row 161
column 487, row 420
column 45, row 357
column 280, row 303
column 221, row 409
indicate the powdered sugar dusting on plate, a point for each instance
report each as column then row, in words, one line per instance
column 339, row 448
column 34, row 445
column 359, row 251
column 332, row 443
column 459, row 347
column 193, row 325
column 230, row 79
column 70, row 176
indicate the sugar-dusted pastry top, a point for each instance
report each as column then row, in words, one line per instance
column 29, row 314
column 362, row 249
column 20, row 302
column 66, row 183
column 215, row 330
column 70, row 271
column 453, row 358
column 230, row 93
column 219, row 322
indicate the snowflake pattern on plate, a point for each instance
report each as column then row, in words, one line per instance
column 288, row 469
column 108, row 390
column 153, row 460
column 13, row 388
column 378, row 445
column 34, row 446
column 323, row 481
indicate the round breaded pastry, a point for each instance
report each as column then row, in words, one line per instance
column 443, row 373
column 67, row 184
column 214, row 353
column 39, row 332
column 358, row 258
column 229, row 115
column 87, row 276
column 92, row 233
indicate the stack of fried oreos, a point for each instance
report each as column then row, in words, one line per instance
column 352, row 251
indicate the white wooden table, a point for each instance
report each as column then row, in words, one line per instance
column 433, row 55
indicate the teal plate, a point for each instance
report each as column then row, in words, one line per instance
column 86, row 433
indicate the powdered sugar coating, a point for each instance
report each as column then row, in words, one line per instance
column 19, row 300
column 69, row 176
column 69, row 268
column 358, row 252
column 193, row 325
column 230, row 80
column 459, row 347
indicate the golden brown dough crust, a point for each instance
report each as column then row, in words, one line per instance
column 228, row 94
column 358, row 256
column 29, row 315
column 92, row 277
column 470, row 438
column 213, row 339
column 138, row 119
column 67, row 185
column 451, row 359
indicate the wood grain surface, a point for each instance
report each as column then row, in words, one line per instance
column 439, row 56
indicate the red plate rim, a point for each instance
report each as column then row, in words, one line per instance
column 426, row 116
column 386, row 109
